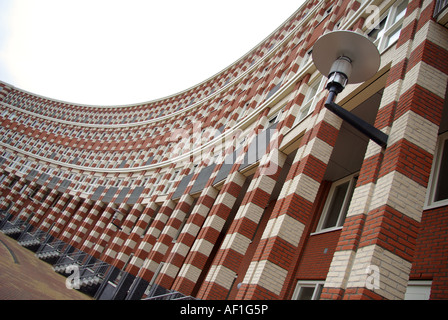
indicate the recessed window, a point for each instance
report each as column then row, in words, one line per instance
column 338, row 201
column 308, row 290
column 386, row 32
column 438, row 188
column 306, row 58
column 441, row 187
column 154, row 190
column 310, row 100
column 170, row 182
column 327, row 13
column 275, row 118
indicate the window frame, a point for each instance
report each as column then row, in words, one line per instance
column 435, row 174
column 310, row 100
column 351, row 179
column 308, row 284
column 413, row 284
column 153, row 190
column 391, row 26
column 306, row 59
column 171, row 181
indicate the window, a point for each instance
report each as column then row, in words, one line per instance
column 310, row 98
column 337, row 26
column 338, row 201
column 170, row 183
column 306, row 59
column 13, row 182
column 91, row 185
column 418, row 290
column 34, row 192
column 14, row 162
column 25, row 167
column 308, row 290
column 182, row 225
column 25, row 185
column 3, row 176
column 387, row 31
column 153, row 279
column 276, row 117
column 438, row 187
column 155, row 185
column 243, row 111
column 327, row 13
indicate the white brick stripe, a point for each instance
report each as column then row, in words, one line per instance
column 427, row 77
column 407, row 196
column 190, row 272
column 202, row 246
column 303, row 186
column 267, row 275
column 362, row 196
column 250, row 211
column 237, row 242
column 214, row 222
column 416, row 129
column 221, row 275
column 391, row 93
column 285, row 227
column 433, row 32
column 340, row 269
column 393, row 272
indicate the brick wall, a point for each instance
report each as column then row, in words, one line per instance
column 229, row 236
column 431, row 253
column 317, row 256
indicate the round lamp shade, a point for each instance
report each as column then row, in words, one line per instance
column 364, row 55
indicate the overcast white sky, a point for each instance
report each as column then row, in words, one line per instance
column 108, row 52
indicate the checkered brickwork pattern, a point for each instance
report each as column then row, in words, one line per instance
column 204, row 239
column 379, row 222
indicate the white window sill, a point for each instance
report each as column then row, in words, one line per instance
column 435, row 205
column 325, row 231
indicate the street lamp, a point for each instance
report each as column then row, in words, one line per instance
column 347, row 57
column 118, row 215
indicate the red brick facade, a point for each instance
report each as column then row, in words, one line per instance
column 245, row 186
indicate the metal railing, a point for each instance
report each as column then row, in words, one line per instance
column 173, row 295
column 89, row 274
column 51, row 249
column 98, row 269
column 3, row 217
column 33, row 238
column 12, row 227
column 75, row 258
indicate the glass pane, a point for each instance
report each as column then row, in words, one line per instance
column 318, row 291
column 401, row 11
column 311, row 92
column 349, row 199
column 336, row 205
column 393, row 36
column 305, row 293
column 441, row 192
column 378, row 31
column 304, row 111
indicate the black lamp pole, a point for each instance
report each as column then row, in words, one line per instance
column 367, row 129
column 348, row 57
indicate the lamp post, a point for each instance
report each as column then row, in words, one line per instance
column 347, row 57
column 118, row 215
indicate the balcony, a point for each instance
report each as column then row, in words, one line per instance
column 441, row 12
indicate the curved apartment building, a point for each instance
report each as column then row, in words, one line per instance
column 245, row 186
